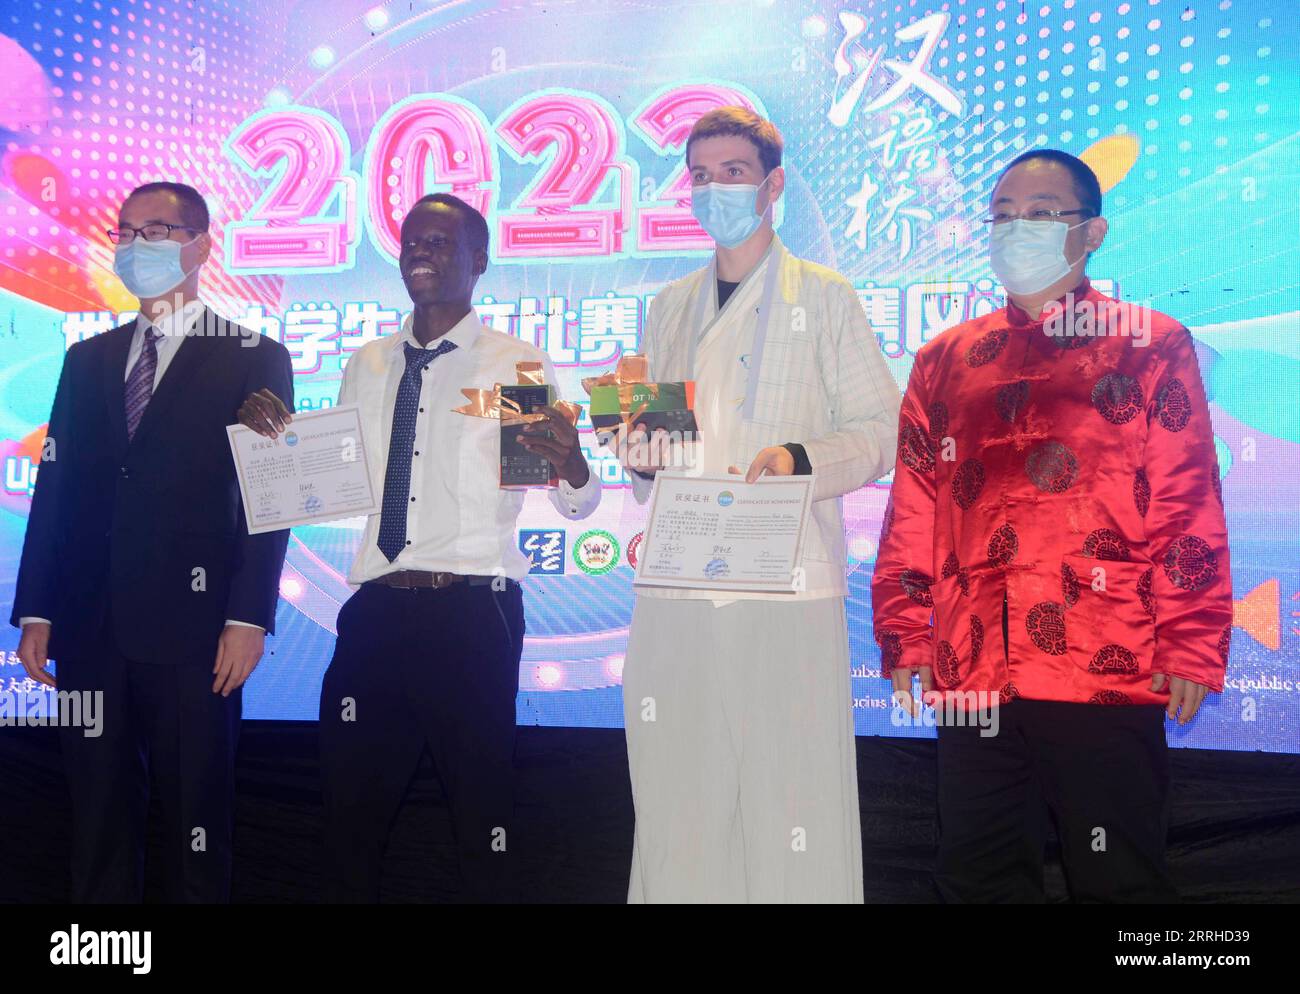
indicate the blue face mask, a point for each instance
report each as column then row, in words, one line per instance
column 728, row 211
column 149, row 269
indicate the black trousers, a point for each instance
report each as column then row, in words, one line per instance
column 1101, row 772
column 155, row 719
column 417, row 669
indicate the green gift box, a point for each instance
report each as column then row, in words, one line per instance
column 670, row 406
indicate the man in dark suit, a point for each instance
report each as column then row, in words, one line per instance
column 138, row 575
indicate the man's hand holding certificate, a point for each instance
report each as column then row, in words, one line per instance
column 312, row 472
column 721, row 533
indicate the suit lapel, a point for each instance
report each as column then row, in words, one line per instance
column 188, row 359
column 114, row 370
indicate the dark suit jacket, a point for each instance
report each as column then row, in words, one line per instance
column 152, row 529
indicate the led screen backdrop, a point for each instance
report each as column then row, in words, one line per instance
column 310, row 125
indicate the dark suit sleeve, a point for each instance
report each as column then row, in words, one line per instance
column 38, row 572
column 255, row 588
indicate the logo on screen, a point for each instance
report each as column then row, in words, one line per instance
column 544, row 548
column 726, row 498
column 596, row 552
column 634, row 548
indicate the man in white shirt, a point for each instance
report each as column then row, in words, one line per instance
column 738, row 710
column 429, row 646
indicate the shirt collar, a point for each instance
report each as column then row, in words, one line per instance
column 174, row 323
column 462, row 334
column 1018, row 318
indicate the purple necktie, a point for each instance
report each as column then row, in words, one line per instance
column 139, row 385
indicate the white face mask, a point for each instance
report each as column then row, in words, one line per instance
column 1029, row 256
column 150, row 269
column 728, row 211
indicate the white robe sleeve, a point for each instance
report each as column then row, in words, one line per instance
column 863, row 400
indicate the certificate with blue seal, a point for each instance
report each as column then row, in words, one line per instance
column 316, row 471
column 721, row 533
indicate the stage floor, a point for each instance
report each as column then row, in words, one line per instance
column 1234, row 837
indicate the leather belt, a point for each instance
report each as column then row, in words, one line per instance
column 417, row 579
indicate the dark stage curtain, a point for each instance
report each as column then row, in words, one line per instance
column 1234, row 837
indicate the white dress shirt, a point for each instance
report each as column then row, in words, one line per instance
column 175, row 327
column 460, row 520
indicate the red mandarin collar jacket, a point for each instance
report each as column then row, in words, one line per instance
column 1076, row 475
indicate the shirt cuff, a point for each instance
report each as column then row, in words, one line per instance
column 34, row 621
column 578, row 502
column 802, row 467
column 244, row 624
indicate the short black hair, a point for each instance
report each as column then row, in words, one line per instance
column 474, row 223
column 1086, row 185
column 194, row 209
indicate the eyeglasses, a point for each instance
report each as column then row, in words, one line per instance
column 125, row 235
column 1038, row 214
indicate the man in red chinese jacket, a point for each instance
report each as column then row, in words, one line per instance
column 1056, row 484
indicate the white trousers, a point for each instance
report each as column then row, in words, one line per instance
column 741, row 751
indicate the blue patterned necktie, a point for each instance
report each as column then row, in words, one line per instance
column 397, row 477
column 139, row 385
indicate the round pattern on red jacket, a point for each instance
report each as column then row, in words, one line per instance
column 1117, row 398
column 1173, row 406
column 976, row 638
column 1190, row 563
column 1011, row 399
column 953, row 568
column 1069, row 585
column 1113, row 658
column 915, row 450
column 1067, row 343
column 1103, row 543
column 986, row 349
column 937, row 414
column 1045, row 624
column 1052, row 467
column 1111, row 698
column 1225, row 641
column 1008, row 693
column 891, row 651
column 1141, row 492
column 967, row 483
column 1146, row 592
column 1003, row 546
column 945, row 664
column 917, row 586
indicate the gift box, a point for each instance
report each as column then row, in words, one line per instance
column 515, row 405
column 519, row 467
column 623, row 397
